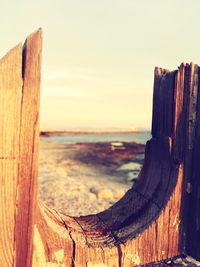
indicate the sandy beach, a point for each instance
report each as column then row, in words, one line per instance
column 80, row 179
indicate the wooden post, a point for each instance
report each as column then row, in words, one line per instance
column 28, row 149
column 192, row 217
column 10, row 105
column 150, row 223
column 19, row 96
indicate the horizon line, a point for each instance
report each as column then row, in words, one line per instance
column 54, row 132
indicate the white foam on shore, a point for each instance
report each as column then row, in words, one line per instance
column 117, row 145
column 132, row 166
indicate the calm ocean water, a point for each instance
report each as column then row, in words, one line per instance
column 141, row 138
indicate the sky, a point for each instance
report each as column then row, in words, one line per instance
column 99, row 56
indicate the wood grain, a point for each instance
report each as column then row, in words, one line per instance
column 144, row 226
column 28, row 149
column 149, row 223
column 192, row 221
column 10, row 105
column 19, row 99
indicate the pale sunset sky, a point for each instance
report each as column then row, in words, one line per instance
column 99, row 55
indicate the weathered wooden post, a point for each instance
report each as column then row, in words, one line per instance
column 156, row 219
column 19, row 96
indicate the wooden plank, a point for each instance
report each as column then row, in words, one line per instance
column 28, row 150
column 162, row 122
column 197, row 130
column 10, row 105
column 158, row 72
column 166, row 103
column 179, row 115
column 193, row 216
column 188, row 139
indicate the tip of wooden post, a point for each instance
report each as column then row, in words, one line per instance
column 182, row 65
column 34, row 40
column 10, row 52
column 158, row 71
column 36, row 34
column 193, row 65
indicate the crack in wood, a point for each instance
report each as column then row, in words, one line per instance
column 116, row 239
column 73, row 251
column 119, row 255
column 84, row 233
column 7, row 157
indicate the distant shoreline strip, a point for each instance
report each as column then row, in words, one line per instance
column 45, row 133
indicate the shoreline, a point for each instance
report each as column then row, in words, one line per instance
column 63, row 132
column 86, row 178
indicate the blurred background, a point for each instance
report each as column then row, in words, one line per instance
column 99, row 56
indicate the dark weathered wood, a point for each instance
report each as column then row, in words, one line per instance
column 179, row 115
column 192, row 221
column 148, row 224
column 162, row 122
column 187, row 143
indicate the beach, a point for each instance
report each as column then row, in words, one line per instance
column 86, row 178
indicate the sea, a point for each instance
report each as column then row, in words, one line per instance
column 69, row 138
